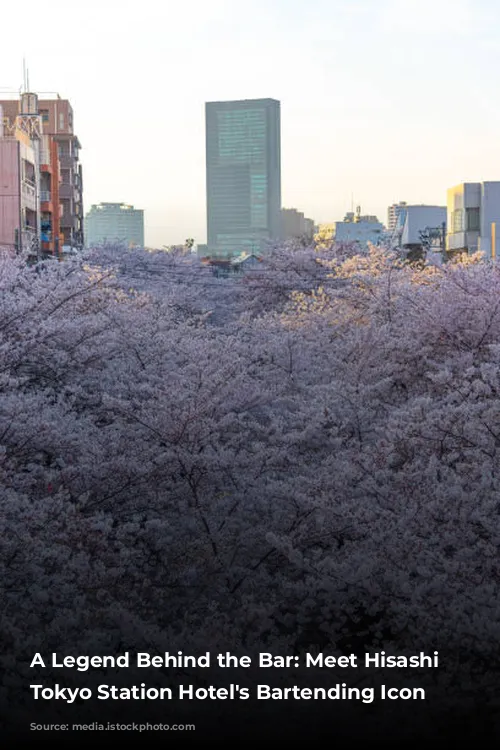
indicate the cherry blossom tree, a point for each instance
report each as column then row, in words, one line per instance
column 302, row 457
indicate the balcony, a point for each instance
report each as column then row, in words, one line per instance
column 69, row 222
column 66, row 190
column 45, row 162
column 29, row 240
column 66, row 161
column 47, row 206
column 28, row 194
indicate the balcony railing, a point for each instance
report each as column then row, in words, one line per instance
column 29, row 240
column 29, row 187
column 66, row 190
column 69, row 222
column 66, row 161
column 28, row 193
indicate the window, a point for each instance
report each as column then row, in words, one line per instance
column 61, row 120
column 44, row 115
column 28, row 172
column 258, row 198
column 457, row 221
column 472, row 219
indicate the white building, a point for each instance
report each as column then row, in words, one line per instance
column 474, row 218
column 360, row 229
column 418, row 219
column 114, row 222
column 396, row 215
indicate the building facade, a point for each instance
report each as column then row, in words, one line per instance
column 418, row 221
column 20, row 179
column 474, row 218
column 243, row 180
column 295, row 225
column 61, row 178
column 114, row 222
column 396, row 215
column 51, row 237
column 358, row 228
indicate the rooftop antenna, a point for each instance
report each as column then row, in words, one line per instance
column 26, row 77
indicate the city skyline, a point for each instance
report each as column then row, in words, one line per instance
column 372, row 99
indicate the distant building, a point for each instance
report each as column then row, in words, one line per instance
column 310, row 228
column 358, row 228
column 474, row 218
column 418, row 222
column 233, row 265
column 396, row 215
column 243, row 155
column 114, row 222
column 248, row 261
column 295, row 225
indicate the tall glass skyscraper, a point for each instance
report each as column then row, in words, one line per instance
column 243, row 175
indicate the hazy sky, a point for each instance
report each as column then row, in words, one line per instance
column 385, row 100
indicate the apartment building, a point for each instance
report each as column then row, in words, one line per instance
column 115, row 222
column 396, row 215
column 61, row 179
column 20, row 180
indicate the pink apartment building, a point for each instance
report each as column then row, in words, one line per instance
column 19, row 214
column 40, row 176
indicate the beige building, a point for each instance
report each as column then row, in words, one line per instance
column 295, row 225
column 474, row 218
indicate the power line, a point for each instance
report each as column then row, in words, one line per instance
column 239, row 282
